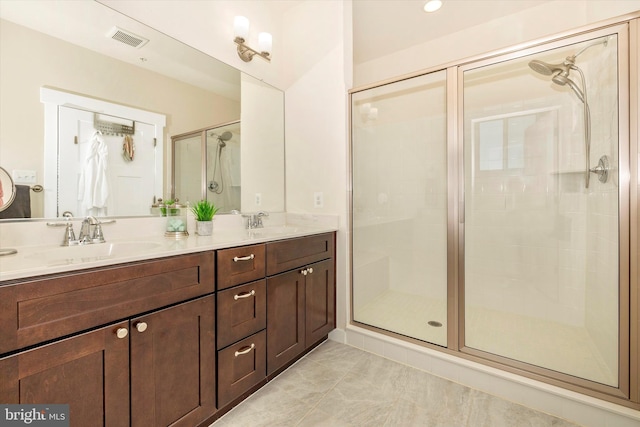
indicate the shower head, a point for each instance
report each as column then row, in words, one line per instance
column 225, row 136
column 560, row 73
column 545, row 68
column 563, row 79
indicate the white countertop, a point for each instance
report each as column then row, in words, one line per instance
column 43, row 259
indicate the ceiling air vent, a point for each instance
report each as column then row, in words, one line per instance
column 127, row 37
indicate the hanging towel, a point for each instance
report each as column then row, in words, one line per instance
column 93, row 188
column 21, row 205
column 128, row 148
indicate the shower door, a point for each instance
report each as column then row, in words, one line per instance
column 399, row 208
column 542, row 246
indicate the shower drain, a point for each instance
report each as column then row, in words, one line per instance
column 434, row 323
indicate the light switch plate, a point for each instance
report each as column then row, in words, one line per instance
column 21, row 176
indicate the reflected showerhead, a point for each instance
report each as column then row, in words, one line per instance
column 222, row 138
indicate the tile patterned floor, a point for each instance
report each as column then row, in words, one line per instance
column 338, row 385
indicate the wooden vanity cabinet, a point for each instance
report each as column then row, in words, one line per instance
column 169, row 356
column 152, row 369
column 301, row 301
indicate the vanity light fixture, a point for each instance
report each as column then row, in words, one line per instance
column 241, row 32
column 432, row 5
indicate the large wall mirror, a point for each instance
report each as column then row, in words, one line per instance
column 90, row 100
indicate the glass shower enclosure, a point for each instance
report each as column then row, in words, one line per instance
column 400, row 207
column 490, row 209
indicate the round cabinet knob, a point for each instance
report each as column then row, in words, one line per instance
column 304, row 272
column 310, row 270
column 122, row 333
column 141, row 327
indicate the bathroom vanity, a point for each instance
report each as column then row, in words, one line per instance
column 170, row 340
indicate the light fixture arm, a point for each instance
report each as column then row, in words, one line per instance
column 246, row 53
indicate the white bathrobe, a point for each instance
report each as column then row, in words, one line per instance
column 93, row 188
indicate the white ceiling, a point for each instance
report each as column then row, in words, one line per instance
column 381, row 27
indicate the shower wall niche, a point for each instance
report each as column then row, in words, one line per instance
column 482, row 217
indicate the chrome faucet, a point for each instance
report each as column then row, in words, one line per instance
column 255, row 220
column 90, row 232
column 86, row 234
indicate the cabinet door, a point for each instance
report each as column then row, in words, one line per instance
column 285, row 318
column 319, row 301
column 89, row 372
column 173, row 365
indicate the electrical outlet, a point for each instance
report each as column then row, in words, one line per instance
column 318, row 200
column 258, row 199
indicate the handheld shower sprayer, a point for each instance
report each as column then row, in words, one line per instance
column 561, row 76
column 214, row 186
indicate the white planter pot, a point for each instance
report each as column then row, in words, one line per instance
column 204, row 228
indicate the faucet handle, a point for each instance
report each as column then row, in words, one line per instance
column 69, row 235
column 98, row 237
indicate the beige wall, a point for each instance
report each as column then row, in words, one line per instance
column 30, row 60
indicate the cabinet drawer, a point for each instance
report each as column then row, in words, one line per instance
column 42, row 309
column 293, row 253
column 240, row 367
column 241, row 312
column 240, row 265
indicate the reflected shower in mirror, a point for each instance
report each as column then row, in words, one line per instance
column 207, row 166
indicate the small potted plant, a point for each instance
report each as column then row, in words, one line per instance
column 204, row 211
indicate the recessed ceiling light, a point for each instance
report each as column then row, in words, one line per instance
column 432, row 5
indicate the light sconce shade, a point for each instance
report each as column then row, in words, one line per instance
column 432, row 5
column 265, row 42
column 241, row 27
column 246, row 53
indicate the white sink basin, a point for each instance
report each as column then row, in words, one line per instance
column 83, row 253
column 272, row 231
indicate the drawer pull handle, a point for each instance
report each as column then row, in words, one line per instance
column 122, row 333
column 243, row 258
column 141, row 327
column 244, row 295
column 245, row 350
